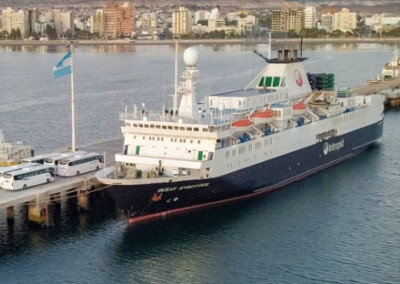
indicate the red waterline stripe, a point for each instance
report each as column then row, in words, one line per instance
column 154, row 216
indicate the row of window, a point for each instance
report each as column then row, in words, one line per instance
column 169, row 127
column 182, row 140
column 351, row 116
column 270, row 82
column 33, row 173
column 241, row 149
column 250, row 103
column 86, row 160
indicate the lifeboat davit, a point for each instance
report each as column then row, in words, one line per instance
column 299, row 108
column 242, row 125
column 263, row 116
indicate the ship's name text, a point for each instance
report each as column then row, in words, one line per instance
column 183, row 187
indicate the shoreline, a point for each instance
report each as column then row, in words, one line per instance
column 204, row 41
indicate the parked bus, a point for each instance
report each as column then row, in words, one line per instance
column 80, row 164
column 53, row 161
column 39, row 159
column 28, row 177
column 4, row 170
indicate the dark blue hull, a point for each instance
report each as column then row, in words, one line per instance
column 155, row 200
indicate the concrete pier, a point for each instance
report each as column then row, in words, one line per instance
column 43, row 199
column 378, row 87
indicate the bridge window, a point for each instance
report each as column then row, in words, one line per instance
column 277, row 80
column 259, row 84
column 269, row 81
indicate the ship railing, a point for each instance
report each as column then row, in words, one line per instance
column 164, row 116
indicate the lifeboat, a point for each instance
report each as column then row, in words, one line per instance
column 299, row 108
column 242, row 125
column 263, row 116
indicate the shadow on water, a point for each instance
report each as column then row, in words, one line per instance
column 70, row 221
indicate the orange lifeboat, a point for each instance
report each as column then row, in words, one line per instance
column 299, row 108
column 263, row 116
column 242, row 123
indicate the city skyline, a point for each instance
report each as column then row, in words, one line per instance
column 125, row 19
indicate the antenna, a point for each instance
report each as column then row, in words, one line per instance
column 175, row 104
column 269, row 44
column 301, row 44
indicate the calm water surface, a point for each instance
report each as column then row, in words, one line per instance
column 339, row 226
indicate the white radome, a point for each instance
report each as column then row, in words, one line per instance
column 191, row 56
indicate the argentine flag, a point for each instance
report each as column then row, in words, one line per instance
column 63, row 67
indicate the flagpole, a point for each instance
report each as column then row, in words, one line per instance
column 73, row 145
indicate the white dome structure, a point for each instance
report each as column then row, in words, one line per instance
column 191, row 56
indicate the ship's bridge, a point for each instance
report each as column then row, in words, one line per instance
column 284, row 72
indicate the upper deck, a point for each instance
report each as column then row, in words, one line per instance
column 217, row 110
column 243, row 93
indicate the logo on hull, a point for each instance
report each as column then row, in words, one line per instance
column 333, row 146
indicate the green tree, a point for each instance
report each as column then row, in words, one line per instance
column 313, row 33
column 4, row 35
column 292, row 34
column 13, row 34
column 50, row 32
column 265, row 21
column 18, row 34
column 337, row 33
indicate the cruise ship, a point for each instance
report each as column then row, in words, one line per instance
column 236, row 144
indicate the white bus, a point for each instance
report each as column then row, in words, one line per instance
column 4, row 170
column 28, row 177
column 39, row 159
column 80, row 164
column 53, row 161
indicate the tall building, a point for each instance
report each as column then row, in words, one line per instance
column 98, row 22
column 344, row 20
column 328, row 9
column 247, row 25
column 120, row 19
column 63, row 21
column 181, row 21
column 15, row 20
column 214, row 15
column 201, row 15
column 7, row 19
column 285, row 20
column 327, row 22
column 310, row 17
column 19, row 21
column 32, row 18
column 379, row 21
